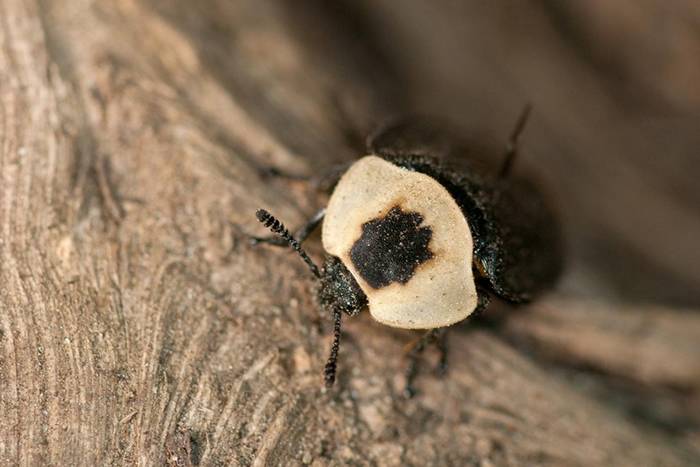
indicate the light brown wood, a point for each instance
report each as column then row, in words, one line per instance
column 139, row 327
column 649, row 354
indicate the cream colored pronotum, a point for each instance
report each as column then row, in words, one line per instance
column 442, row 291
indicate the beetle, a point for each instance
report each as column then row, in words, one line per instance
column 423, row 245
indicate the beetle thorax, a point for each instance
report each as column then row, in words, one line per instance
column 405, row 241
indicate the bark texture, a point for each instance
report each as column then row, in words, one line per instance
column 139, row 327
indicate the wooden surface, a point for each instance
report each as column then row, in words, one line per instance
column 138, row 327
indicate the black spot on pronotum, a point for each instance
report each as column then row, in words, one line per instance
column 391, row 248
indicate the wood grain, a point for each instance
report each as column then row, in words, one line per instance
column 139, row 327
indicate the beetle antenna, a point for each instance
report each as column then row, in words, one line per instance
column 275, row 226
column 332, row 363
column 512, row 146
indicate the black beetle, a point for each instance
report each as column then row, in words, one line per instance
column 423, row 245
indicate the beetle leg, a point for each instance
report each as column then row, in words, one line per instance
column 441, row 344
column 324, row 181
column 413, row 356
column 274, row 172
column 482, row 302
column 301, row 234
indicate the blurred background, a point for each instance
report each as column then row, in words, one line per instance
column 616, row 128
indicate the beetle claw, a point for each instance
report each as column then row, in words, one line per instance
column 441, row 370
column 409, row 392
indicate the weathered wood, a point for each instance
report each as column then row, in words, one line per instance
column 653, row 346
column 137, row 325
column 643, row 357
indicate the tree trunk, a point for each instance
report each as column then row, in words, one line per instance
column 137, row 324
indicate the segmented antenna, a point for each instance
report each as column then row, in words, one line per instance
column 332, row 363
column 275, row 226
column 512, row 146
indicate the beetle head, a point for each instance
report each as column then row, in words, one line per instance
column 338, row 289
